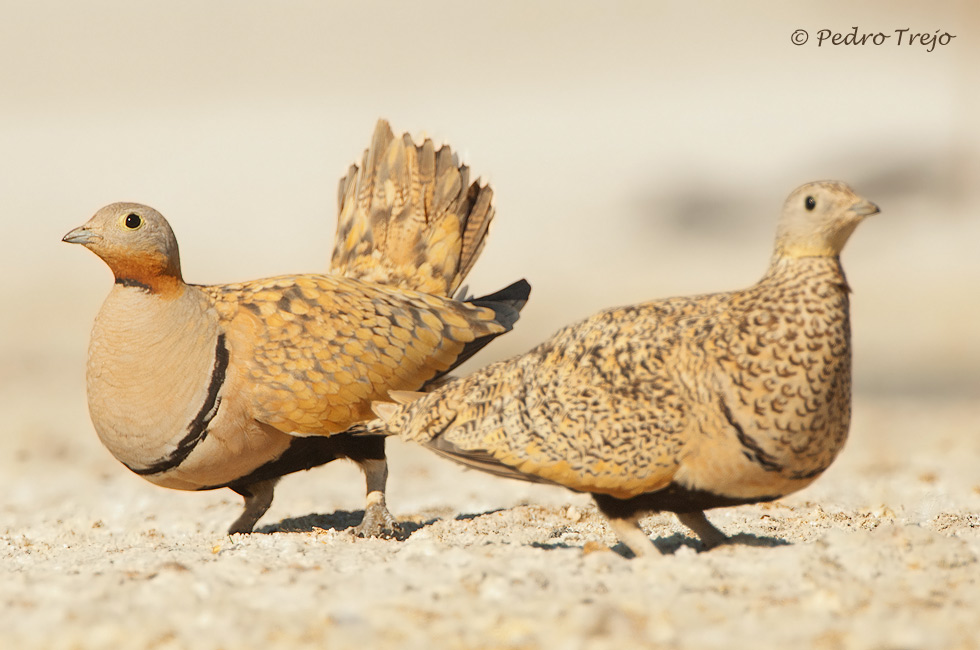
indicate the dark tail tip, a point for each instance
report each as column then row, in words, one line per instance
column 506, row 305
column 514, row 297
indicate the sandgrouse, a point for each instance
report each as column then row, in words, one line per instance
column 675, row 405
column 201, row 387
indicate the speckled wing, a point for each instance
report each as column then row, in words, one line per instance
column 314, row 350
column 592, row 409
column 409, row 217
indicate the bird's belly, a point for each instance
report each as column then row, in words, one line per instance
column 225, row 455
column 139, row 417
column 160, row 446
column 741, row 468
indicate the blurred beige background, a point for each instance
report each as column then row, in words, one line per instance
column 637, row 150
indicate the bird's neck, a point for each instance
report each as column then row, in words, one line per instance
column 163, row 286
column 153, row 272
column 821, row 269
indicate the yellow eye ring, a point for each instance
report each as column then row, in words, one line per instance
column 132, row 221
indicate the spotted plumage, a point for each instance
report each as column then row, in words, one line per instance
column 199, row 387
column 680, row 404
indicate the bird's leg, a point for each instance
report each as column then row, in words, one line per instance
column 624, row 518
column 628, row 531
column 696, row 521
column 377, row 521
column 258, row 498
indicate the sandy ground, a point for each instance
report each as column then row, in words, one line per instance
column 882, row 552
column 637, row 150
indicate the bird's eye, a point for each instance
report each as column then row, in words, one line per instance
column 810, row 203
column 133, row 221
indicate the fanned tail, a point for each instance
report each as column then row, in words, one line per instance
column 409, row 217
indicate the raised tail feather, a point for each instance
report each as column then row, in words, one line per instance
column 409, row 217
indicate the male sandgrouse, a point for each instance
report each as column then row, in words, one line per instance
column 201, row 387
column 674, row 405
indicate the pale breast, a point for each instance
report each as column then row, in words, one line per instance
column 150, row 366
column 783, row 378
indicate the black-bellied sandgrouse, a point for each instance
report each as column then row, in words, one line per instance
column 675, row 405
column 200, row 387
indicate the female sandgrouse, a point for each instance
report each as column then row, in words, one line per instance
column 674, row 405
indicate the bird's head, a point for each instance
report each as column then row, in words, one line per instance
column 818, row 218
column 137, row 244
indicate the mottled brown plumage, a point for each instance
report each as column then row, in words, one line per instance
column 198, row 387
column 674, row 405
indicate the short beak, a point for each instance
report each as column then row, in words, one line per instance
column 80, row 235
column 865, row 208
